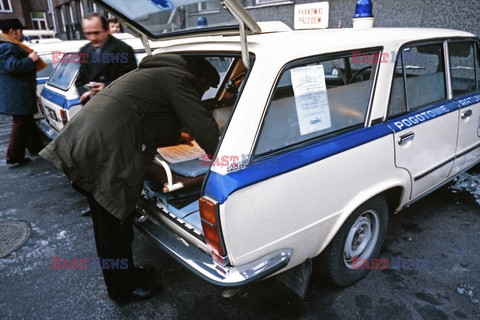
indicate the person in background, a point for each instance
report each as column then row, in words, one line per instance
column 108, row 58
column 114, row 25
column 108, row 146
column 18, row 67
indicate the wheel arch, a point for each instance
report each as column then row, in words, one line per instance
column 392, row 195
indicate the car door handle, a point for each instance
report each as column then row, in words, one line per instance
column 466, row 114
column 406, row 137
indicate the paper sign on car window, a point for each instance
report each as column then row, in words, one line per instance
column 311, row 98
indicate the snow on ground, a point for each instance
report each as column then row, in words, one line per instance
column 468, row 182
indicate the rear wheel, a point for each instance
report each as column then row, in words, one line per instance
column 349, row 255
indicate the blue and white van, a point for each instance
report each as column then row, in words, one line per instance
column 60, row 100
column 325, row 133
column 47, row 51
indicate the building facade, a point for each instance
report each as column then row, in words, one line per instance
column 33, row 14
column 64, row 16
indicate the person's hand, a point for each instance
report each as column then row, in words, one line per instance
column 97, row 87
column 85, row 97
column 185, row 138
column 33, row 56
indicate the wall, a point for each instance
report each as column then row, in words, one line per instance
column 453, row 14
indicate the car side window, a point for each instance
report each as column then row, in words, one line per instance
column 317, row 100
column 419, row 78
column 462, row 67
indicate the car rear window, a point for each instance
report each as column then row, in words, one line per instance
column 45, row 73
column 65, row 73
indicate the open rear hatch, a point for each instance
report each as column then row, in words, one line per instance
column 159, row 20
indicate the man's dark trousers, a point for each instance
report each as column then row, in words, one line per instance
column 24, row 134
column 114, row 241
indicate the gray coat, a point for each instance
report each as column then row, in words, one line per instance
column 106, row 148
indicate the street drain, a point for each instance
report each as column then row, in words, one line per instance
column 13, row 235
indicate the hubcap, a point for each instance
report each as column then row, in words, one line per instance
column 362, row 238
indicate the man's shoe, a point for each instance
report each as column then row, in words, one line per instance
column 20, row 162
column 138, row 294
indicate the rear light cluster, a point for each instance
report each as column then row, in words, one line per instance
column 63, row 115
column 211, row 227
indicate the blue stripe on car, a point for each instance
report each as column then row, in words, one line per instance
column 58, row 99
column 221, row 186
column 423, row 115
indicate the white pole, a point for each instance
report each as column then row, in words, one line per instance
column 52, row 11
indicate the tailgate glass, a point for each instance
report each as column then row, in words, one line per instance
column 65, row 72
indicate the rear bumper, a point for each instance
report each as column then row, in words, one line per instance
column 47, row 129
column 202, row 264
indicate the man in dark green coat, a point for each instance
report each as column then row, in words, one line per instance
column 106, row 148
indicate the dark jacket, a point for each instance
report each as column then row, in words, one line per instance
column 106, row 148
column 17, row 80
column 116, row 59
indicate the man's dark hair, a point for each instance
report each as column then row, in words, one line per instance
column 113, row 20
column 92, row 15
column 7, row 24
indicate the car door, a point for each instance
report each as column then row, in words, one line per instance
column 464, row 73
column 424, row 121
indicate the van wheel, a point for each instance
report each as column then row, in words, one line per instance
column 359, row 239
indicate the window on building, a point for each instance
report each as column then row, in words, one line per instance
column 204, row 7
column 39, row 20
column 316, row 100
column 5, row 6
column 262, row 2
column 419, row 78
column 462, row 67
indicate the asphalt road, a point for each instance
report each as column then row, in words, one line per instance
column 440, row 233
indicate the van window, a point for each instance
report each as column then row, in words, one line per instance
column 45, row 73
column 65, row 73
column 419, row 78
column 318, row 100
column 462, row 67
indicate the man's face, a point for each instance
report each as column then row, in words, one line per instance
column 114, row 27
column 94, row 32
column 17, row 34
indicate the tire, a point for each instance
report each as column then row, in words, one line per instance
column 361, row 236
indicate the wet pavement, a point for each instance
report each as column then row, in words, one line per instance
column 432, row 247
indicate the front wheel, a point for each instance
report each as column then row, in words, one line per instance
column 349, row 255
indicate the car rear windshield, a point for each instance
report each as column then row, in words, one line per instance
column 65, row 73
column 45, row 73
column 162, row 18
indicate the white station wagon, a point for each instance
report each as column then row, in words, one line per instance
column 324, row 134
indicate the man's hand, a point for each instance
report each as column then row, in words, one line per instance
column 185, row 138
column 97, row 87
column 33, row 56
column 85, row 97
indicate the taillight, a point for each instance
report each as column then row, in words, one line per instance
column 63, row 115
column 210, row 226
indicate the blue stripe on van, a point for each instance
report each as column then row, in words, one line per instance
column 423, row 115
column 58, row 99
column 42, row 80
column 221, row 186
